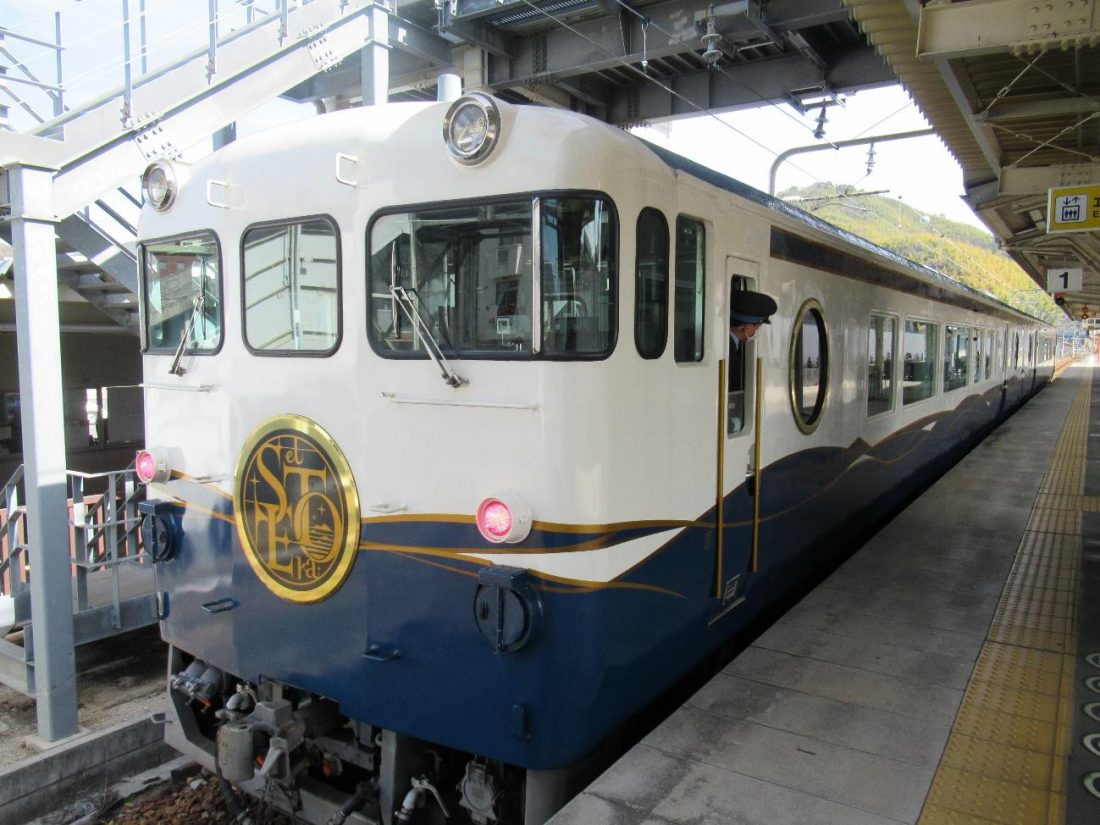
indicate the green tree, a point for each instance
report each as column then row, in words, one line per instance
column 961, row 252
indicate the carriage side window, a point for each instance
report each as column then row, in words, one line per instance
column 880, row 364
column 809, row 366
column 977, row 336
column 956, row 357
column 578, row 276
column 989, row 354
column 918, row 376
column 183, row 294
column 651, row 284
column 690, row 290
column 292, row 287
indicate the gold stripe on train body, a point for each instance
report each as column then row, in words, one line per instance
column 606, row 535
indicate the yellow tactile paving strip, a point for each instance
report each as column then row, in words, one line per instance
column 1007, row 755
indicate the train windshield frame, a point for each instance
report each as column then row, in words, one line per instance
column 464, row 269
column 181, row 279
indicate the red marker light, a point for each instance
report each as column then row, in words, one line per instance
column 494, row 519
column 504, row 518
column 150, row 468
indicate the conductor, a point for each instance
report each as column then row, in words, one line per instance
column 748, row 312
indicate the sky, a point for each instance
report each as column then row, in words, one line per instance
column 920, row 172
column 744, row 144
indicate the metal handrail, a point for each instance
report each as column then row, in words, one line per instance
column 105, row 532
column 113, row 516
column 13, row 525
column 276, row 19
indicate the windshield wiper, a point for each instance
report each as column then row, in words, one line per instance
column 198, row 308
column 403, row 298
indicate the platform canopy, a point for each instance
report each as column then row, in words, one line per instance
column 1013, row 89
column 625, row 61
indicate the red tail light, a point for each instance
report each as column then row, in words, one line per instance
column 150, row 467
column 504, row 519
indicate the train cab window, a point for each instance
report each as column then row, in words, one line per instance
column 578, row 276
column 690, row 304
column 956, row 357
column 918, row 372
column 651, row 284
column 292, row 287
column 183, row 294
column 460, row 275
column 809, row 366
column 458, row 280
column 881, row 346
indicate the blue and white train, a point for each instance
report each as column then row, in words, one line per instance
column 451, row 469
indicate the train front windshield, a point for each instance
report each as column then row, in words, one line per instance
column 463, row 276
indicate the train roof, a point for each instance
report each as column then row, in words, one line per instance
column 770, row 202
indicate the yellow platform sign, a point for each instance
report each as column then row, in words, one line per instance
column 1073, row 209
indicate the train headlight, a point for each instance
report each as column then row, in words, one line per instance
column 471, row 127
column 504, row 519
column 151, row 467
column 160, row 185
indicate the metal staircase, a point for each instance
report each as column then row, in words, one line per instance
column 99, row 268
column 107, row 143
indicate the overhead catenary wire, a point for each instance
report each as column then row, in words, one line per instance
column 627, row 64
column 767, row 101
column 646, row 22
column 673, row 38
column 630, row 66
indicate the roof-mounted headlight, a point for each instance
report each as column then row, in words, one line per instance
column 160, row 185
column 471, row 128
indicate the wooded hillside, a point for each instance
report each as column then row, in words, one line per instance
column 960, row 251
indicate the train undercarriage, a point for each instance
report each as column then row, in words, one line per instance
column 294, row 752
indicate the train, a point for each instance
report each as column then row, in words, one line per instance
column 451, row 469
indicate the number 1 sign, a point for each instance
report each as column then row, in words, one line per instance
column 1064, row 279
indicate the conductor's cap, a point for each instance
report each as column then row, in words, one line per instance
column 748, row 307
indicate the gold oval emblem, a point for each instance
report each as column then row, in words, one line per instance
column 296, row 508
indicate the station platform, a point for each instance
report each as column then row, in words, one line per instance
column 948, row 672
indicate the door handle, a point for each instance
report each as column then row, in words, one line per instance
column 382, row 653
column 220, row 605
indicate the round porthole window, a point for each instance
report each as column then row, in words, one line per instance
column 809, row 366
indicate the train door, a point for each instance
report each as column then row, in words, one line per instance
column 738, row 450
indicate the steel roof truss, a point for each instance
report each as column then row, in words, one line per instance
column 988, row 26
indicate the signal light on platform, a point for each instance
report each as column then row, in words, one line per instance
column 151, row 468
column 504, row 519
